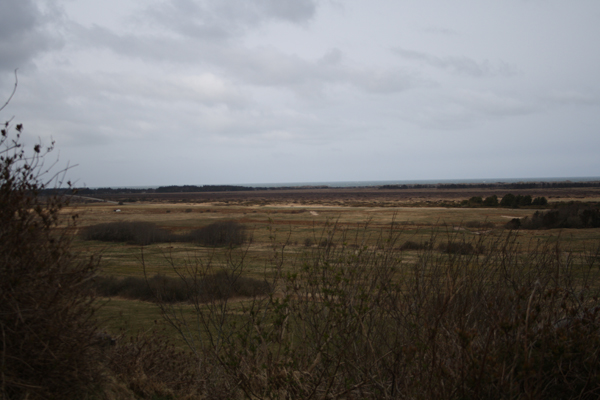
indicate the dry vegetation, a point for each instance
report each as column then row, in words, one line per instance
column 368, row 302
column 293, row 296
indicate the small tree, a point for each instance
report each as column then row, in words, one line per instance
column 508, row 200
column 491, row 201
column 46, row 332
column 524, row 200
column 475, row 200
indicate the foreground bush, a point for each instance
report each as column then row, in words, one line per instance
column 148, row 366
column 47, row 335
column 355, row 321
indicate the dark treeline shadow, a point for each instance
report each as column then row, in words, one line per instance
column 221, row 233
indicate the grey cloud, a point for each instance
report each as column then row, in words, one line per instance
column 388, row 81
column 331, row 58
column 441, row 31
column 263, row 66
column 493, row 104
column 466, row 109
column 269, row 67
column 154, row 48
column 573, row 97
column 294, row 11
column 214, row 19
column 24, row 33
column 459, row 65
column 206, row 89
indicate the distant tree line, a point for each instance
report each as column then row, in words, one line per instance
column 235, row 188
column 413, row 186
column 570, row 216
column 204, row 188
column 169, row 189
column 518, row 185
column 509, row 200
column 496, row 185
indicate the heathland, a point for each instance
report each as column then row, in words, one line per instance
column 382, row 293
column 352, row 293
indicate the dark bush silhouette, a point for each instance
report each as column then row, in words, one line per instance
column 219, row 285
column 491, row 201
column 573, row 216
column 222, row 233
column 412, row 245
column 479, row 224
column 511, row 201
column 461, row 248
column 47, row 334
column 142, row 233
column 476, row 200
column 524, row 200
column 508, row 200
column 539, row 201
column 514, row 223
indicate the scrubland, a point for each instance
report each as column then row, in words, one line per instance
column 374, row 296
column 348, row 302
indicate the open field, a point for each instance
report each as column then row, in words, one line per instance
column 302, row 219
column 368, row 294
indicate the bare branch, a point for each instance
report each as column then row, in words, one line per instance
column 13, row 92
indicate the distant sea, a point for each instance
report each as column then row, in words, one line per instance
column 341, row 184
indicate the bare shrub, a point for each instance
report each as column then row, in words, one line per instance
column 47, row 334
column 502, row 322
column 153, row 368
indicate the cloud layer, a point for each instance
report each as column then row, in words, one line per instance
column 206, row 92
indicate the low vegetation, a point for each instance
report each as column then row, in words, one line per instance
column 161, row 288
column 509, row 200
column 355, row 321
column 572, row 216
column 141, row 233
column 221, row 233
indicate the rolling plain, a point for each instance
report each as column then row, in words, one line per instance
column 299, row 220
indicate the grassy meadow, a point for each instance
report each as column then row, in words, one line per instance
column 298, row 228
column 360, row 301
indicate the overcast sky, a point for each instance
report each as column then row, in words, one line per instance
column 160, row 92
